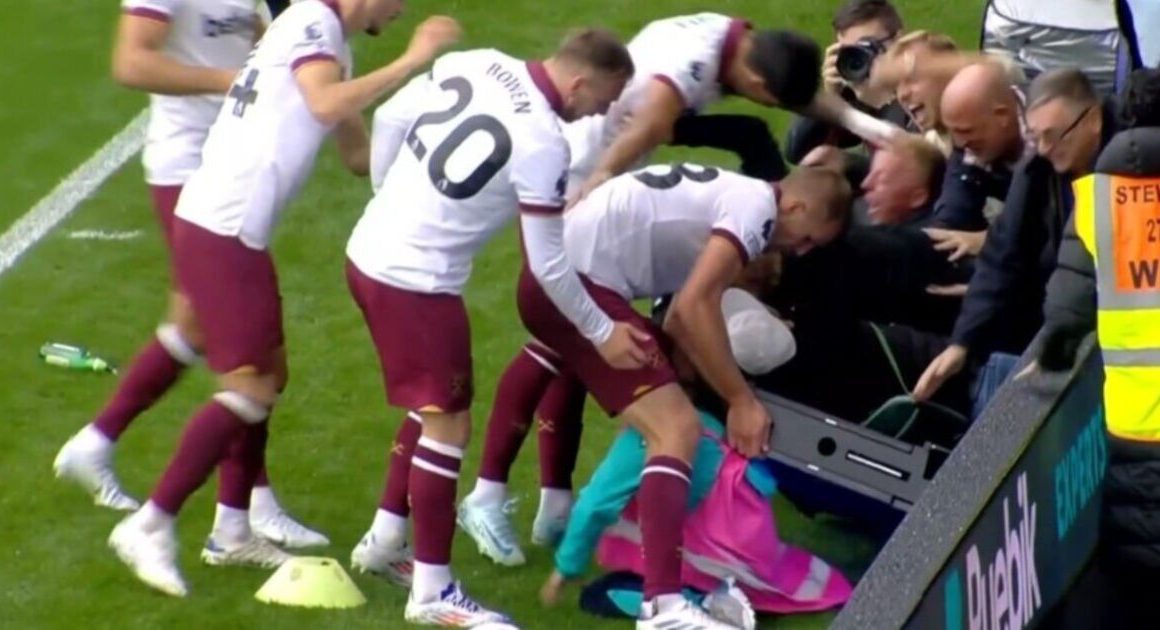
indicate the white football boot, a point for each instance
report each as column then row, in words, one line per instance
column 281, row 529
column 255, row 552
column 686, row 616
column 453, row 609
column 392, row 562
column 729, row 603
column 90, row 466
column 491, row 529
column 152, row 556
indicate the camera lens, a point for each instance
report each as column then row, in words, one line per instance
column 854, row 63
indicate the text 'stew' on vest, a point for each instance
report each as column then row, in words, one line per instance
column 1118, row 219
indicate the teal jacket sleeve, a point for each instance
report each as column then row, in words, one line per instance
column 613, row 484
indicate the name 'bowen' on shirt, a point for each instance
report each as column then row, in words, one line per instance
column 511, row 82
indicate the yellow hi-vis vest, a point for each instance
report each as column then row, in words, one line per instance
column 1118, row 220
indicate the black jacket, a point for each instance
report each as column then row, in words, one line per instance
column 1003, row 308
column 964, row 192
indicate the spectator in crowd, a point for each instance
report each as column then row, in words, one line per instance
column 871, row 25
column 983, row 114
column 1001, row 310
column 903, row 183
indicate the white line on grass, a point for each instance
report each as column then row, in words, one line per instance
column 69, row 193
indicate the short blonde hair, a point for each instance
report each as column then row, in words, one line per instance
column 937, row 42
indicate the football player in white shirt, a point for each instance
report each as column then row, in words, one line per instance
column 293, row 91
column 684, row 64
column 185, row 53
column 687, row 230
column 456, row 155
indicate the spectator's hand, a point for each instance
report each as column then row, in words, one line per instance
column 747, row 427
column 832, row 81
column 592, row 183
column 959, row 243
column 944, row 366
column 947, row 290
column 552, row 589
column 622, row 349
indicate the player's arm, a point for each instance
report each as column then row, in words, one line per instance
column 391, row 121
column 651, row 126
column 140, row 62
column 697, row 325
column 833, row 109
column 354, row 145
column 331, row 99
column 695, row 321
column 538, row 177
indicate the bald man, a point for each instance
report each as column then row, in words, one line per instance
column 982, row 112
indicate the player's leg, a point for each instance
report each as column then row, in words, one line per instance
column 652, row 401
column 87, row 457
column 424, row 345
column 234, row 292
column 392, row 560
column 267, row 517
column 482, row 513
column 383, row 549
column 559, row 423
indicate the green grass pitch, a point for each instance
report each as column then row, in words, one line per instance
column 331, row 431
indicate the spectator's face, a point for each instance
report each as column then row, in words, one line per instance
column 1065, row 134
column 920, row 95
column 801, row 227
column 894, row 188
column 990, row 132
column 873, row 29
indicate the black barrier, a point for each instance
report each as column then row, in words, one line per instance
column 1008, row 522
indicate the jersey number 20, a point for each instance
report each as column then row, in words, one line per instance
column 482, row 123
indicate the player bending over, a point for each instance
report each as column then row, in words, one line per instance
column 654, row 232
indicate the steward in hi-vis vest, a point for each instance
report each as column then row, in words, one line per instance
column 1108, row 279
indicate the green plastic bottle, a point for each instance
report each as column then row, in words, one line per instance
column 74, row 358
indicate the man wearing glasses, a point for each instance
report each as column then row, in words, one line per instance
column 1002, row 309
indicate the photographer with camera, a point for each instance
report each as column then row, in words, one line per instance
column 863, row 30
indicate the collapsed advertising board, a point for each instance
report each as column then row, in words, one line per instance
column 1038, row 530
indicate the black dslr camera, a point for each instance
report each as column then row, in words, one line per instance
column 854, row 61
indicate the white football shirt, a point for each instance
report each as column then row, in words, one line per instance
column 206, row 33
column 455, row 155
column 640, row 233
column 687, row 52
column 263, row 144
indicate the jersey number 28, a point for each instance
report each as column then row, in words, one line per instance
column 479, row 123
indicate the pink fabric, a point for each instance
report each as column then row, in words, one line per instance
column 733, row 533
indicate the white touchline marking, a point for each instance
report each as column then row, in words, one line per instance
column 69, row 193
column 104, row 235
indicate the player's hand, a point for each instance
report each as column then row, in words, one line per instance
column 747, row 426
column 592, row 183
column 958, row 242
column 944, row 366
column 553, row 588
column 832, row 81
column 431, row 36
column 622, row 350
